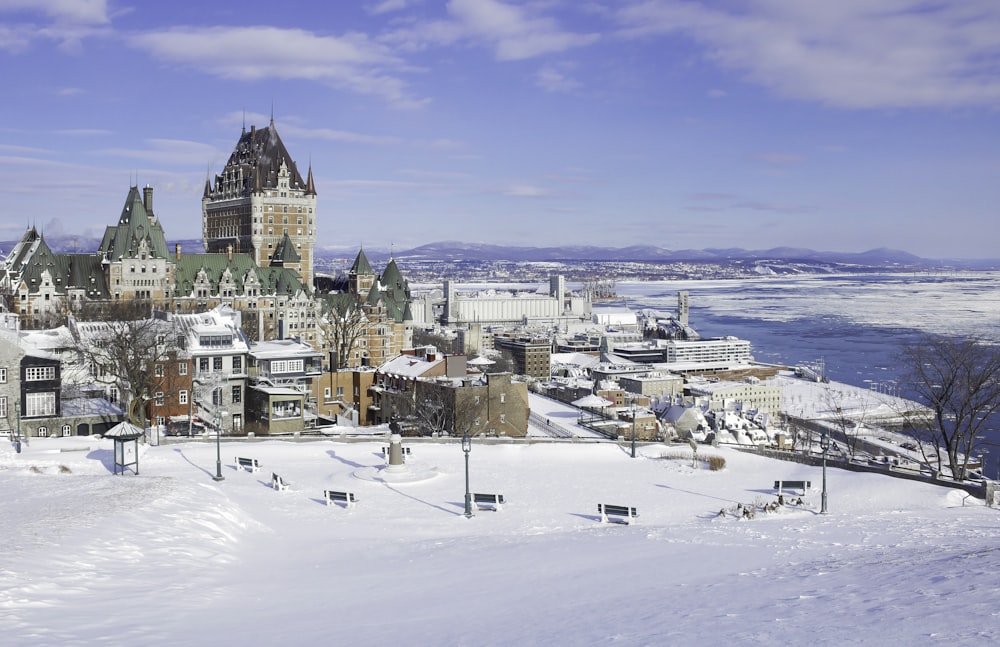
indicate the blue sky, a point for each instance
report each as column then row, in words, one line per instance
column 841, row 126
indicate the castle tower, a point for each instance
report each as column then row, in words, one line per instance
column 258, row 200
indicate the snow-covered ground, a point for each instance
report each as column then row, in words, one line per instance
column 170, row 557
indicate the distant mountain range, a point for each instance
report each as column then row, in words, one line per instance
column 454, row 251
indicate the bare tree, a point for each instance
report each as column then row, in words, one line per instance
column 446, row 409
column 959, row 383
column 848, row 414
column 342, row 325
column 125, row 353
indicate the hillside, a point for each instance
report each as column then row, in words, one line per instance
column 170, row 557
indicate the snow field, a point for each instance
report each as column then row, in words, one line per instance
column 171, row 557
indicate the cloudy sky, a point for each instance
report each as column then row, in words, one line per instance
column 843, row 125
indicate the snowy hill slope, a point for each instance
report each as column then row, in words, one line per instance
column 170, row 557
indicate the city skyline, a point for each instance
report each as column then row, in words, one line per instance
column 684, row 125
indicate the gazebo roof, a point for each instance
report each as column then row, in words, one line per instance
column 124, row 431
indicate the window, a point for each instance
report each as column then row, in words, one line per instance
column 43, row 431
column 216, row 397
column 287, row 366
column 39, row 373
column 503, row 418
column 340, row 391
column 158, row 370
column 216, row 363
column 326, row 393
column 503, row 398
column 3, row 376
column 67, row 430
column 237, row 364
column 182, row 368
column 3, row 406
column 158, row 398
column 40, row 404
column 237, row 394
column 182, row 397
column 203, row 364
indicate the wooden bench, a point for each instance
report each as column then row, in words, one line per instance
column 495, row 500
column 792, row 485
column 404, row 450
column 247, row 464
column 333, row 496
column 278, row 483
column 625, row 511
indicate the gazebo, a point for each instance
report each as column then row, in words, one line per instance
column 126, row 437
column 591, row 403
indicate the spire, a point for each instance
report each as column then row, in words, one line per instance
column 361, row 265
column 310, row 185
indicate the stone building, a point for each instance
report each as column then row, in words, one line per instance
column 259, row 201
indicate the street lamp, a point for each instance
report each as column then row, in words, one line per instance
column 634, row 400
column 467, row 447
column 17, row 432
column 218, row 439
column 824, row 444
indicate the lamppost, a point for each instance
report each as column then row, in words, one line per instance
column 634, row 400
column 824, row 444
column 218, row 439
column 17, row 431
column 467, row 447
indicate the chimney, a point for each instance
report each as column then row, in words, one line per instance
column 147, row 200
column 229, row 252
column 177, row 251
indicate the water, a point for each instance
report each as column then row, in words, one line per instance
column 855, row 324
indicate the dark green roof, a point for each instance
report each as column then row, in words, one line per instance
column 273, row 280
column 68, row 271
column 361, row 265
column 285, row 252
column 134, row 226
column 255, row 162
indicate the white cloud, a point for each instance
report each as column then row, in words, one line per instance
column 387, row 6
column 552, row 79
column 168, row 151
column 77, row 12
column 525, row 191
column 67, row 22
column 849, row 53
column 514, row 32
column 353, row 61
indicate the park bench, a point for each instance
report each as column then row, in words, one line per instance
column 334, row 496
column 278, row 483
column 495, row 500
column 792, row 485
column 247, row 464
column 625, row 511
